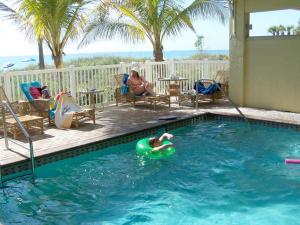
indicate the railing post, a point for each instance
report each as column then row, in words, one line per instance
column 148, row 71
column 122, row 68
column 172, row 67
column 7, row 85
column 202, row 69
column 73, row 88
column 4, row 126
column 207, row 68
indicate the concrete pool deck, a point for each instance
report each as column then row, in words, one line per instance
column 115, row 121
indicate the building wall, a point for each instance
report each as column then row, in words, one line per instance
column 265, row 71
column 272, row 73
column 267, row 5
column 237, row 47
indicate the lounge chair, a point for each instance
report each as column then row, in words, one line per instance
column 68, row 112
column 208, row 90
column 40, row 107
column 124, row 94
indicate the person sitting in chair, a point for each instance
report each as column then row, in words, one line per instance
column 138, row 84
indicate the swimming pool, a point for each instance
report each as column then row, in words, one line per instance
column 222, row 173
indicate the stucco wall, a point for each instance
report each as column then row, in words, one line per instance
column 267, row 5
column 272, row 73
column 237, row 44
column 265, row 71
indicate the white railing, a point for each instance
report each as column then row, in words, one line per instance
column 75, row 79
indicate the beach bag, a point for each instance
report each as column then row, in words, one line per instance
column 65, row 110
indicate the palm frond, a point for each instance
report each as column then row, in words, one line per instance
column 134, row 20
column 208, row 9
column 103, row 28
column 6, row 9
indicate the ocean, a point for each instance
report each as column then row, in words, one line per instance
column 20, row 62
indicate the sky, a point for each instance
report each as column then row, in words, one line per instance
column 13, row 42
column 261, row 21
column 216, row 37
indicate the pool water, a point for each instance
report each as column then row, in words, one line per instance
column 222, row 173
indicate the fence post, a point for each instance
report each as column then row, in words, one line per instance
column 73, row 88
column 171, row 63
column 148, row 71
column 202, row 69
column 7, row 85
column 207, row 68
column 122, row 68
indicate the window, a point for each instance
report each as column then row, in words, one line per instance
column 275, row 23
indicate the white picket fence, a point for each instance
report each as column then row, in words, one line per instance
column 75, row 79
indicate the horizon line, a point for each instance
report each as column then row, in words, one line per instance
column 71, row 53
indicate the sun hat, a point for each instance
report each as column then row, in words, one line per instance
column 135, row 69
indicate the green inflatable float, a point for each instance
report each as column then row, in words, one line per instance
column 143, row 148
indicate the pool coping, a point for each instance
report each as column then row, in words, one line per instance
column 12, row 170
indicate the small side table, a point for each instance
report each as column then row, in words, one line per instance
column 174, row 86
column 92, row 94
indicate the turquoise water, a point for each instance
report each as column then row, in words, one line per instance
column 18, row 64
column 222, row 173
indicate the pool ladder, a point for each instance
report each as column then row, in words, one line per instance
column 6, row 107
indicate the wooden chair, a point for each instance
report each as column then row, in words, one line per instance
column 30, row 122
column 130, row 97
column 220, row 78
column 84, row 114
column 37, row 107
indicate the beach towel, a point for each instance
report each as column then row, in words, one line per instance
column 65, row 110
column 125, row 88
column 212, row 88
column 25, row 87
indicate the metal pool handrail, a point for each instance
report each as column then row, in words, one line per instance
column 6, row 106
column 220, row 89
column 231, row 102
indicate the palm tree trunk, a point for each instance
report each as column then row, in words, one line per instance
column 158, row 52
column 41, row 54
column 58, row 61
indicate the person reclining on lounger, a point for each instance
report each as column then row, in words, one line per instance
column 40, row 92
column 138, row 84
column 156, row 143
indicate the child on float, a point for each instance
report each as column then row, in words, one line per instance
column 157, row 143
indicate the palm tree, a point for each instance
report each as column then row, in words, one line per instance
column 199, row 43
column 56, row 22
column 289, row 29
column 272, row 30
column 277, row 30
column 281, row 29
column 155, row 20
column 296, row 31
